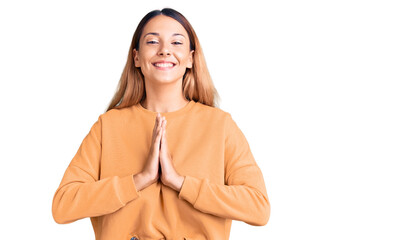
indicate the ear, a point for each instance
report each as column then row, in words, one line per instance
column 190, row 60
column 136, row 58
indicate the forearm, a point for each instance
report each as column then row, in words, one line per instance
column 246, row 203
column 178, row 182
column 78, row 198
column 142, row 181
column 175, row 182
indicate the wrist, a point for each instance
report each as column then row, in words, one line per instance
column 178, row 182
column 150, row 178
column 142, row 180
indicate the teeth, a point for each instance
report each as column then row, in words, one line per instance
column 164, row 64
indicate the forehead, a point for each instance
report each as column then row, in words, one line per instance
column 164, row 25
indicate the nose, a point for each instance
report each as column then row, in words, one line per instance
column 164, row 50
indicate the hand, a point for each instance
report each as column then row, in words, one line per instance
column 169, row 175
column 151, row 168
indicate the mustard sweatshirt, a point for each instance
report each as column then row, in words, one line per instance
column 222, row 179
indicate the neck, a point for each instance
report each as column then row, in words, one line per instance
column 164, row 97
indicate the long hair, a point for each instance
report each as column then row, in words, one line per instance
column 197, row 84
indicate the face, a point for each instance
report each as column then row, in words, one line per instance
column 163, row 39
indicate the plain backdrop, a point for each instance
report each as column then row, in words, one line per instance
column 319, row 88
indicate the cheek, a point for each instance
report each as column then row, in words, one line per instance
column 145, row 59
column 145, row 66
column 183, row 57
column 146, row 53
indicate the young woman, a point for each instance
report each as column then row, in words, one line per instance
column 163, row 162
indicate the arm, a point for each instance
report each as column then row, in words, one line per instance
column 244, row 198
column 82, row 194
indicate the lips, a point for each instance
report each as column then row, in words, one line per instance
column 164, row 62
column 164, row 65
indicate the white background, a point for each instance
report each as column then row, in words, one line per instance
column 319, row 88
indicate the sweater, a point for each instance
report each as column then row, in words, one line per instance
column 222, row 179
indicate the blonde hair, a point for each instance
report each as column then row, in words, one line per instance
column 197, row 84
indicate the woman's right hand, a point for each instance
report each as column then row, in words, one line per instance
column 151, row 168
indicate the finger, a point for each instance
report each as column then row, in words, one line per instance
column 163, row 122
column 158, row 137
column 158, row 120
column 156, row 128
column 163, row 138
column 163, row 126
column 164, row 130
column 156, row 123
column 159, row 125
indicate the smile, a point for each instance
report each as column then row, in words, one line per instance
column 163, row 66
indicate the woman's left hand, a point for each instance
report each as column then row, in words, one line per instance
column 169, row 176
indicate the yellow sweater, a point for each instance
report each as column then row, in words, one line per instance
column 222, row 180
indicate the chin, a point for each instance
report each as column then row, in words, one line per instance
column 167, row 79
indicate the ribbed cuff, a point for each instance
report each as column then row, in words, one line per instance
column 127, row 190
column 190, row 189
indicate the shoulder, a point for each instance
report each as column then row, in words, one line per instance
column 114, row 115
column 214, row 113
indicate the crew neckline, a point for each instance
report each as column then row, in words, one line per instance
column 178, row 112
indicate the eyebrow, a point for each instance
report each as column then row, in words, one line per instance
column 157, row 34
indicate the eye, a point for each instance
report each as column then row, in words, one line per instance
column 152, row 42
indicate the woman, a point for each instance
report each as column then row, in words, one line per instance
column 163, row 162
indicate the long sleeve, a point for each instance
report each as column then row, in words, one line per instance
column 243, row 197
column 81, row 193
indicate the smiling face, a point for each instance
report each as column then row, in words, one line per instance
column 165, row 40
